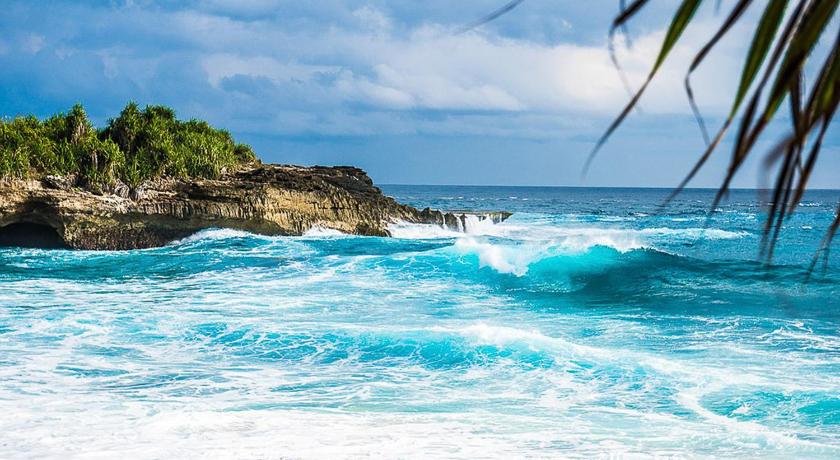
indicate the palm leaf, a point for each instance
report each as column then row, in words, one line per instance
column 826, row 242
column 768, row 25
column 490, row 17
column 736, row 14
column 749, row 114
column 783, row 77
column 762, row 40
column 681, row 20
column 621, row 23
column 622, row 5
column 824, row 90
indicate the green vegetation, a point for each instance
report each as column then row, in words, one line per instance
column 782, row 47
column 136, row 146
column 785, row 38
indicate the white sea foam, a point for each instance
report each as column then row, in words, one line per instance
column 695, row 233
column 188, row 433
column 620, row 241
column 411, row 231
column 216, row 234
column 488, row 334
column 211, row 234
column 320, row 353
column 504, row 259
column 475, row 226
column 690, row 399
column 323, row 232
column 532, row 243
column 579, row 237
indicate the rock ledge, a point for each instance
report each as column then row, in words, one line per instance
column 267, row 199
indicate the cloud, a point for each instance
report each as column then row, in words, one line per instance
column 33, row 43
column 342, row 64
column 431, row 68
column 312, row 81
column 373, row 20
column 224, row 65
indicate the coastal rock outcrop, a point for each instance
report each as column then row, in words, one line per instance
column 265, row 199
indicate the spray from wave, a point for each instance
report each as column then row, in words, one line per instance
column 512, row 248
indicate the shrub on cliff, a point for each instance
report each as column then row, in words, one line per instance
column 136, row 146
column 62, row 145
column 155, row 143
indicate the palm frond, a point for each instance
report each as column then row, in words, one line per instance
column 490, row 17
column 782, row 45
column 736, row 14
column 678, row 24
column 762, row 41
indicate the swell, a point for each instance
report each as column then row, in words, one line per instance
column 604, row 263
column 645, row 279
column 540, row 332
column 210, row 251
column 450, row 352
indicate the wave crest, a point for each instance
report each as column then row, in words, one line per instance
column 215, row 234
column 623, row 239
column 323, row 232
column 520, row 260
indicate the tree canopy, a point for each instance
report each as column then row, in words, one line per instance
column 138, row 145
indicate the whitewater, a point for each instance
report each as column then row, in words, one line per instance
column 592, row 323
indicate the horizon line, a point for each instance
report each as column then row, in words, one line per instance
column 646, row 187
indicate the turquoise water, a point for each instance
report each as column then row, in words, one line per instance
column 587, row 325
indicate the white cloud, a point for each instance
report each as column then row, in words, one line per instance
column 33, row 43
column 444, row 71
column 431, row 68
column 224, row 65
column 246, row 7
column 362, row 65
column 373, row 19
column 352, row 88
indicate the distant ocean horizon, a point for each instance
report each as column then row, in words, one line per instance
column 592, row 323
column 605, row 187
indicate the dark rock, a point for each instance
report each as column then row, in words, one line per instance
column 120, row 189
column 60, row 182
column 265, row 199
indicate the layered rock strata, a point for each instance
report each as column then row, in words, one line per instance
column 266, row 199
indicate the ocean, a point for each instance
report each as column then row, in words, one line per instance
column 591, row 324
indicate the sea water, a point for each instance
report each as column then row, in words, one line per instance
column 592, row 323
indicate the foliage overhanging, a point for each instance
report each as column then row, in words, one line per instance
column 785, row 36
column 781, row 48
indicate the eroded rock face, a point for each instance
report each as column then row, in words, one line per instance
column 268, row 199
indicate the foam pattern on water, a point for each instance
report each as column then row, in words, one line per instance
column 584, row 326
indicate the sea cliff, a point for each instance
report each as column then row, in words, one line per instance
column 56, row 211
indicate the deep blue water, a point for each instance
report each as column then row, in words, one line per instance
column 591, row 323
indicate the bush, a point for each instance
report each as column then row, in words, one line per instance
column 136, row 146
column 22, row 141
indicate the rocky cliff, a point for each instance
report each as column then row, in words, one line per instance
column 267, row 199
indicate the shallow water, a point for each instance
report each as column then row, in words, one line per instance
column 589, row 324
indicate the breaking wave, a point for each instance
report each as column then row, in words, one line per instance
column 597, row 328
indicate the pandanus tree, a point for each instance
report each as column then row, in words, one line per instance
column 136, row 146
column 784, row 37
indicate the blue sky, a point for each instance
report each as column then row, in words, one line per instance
column 389, row 85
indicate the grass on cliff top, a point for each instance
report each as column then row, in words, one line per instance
column 136, row 146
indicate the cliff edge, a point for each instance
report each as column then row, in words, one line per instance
column 264, row 199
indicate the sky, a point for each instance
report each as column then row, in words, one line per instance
column 395, row 87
